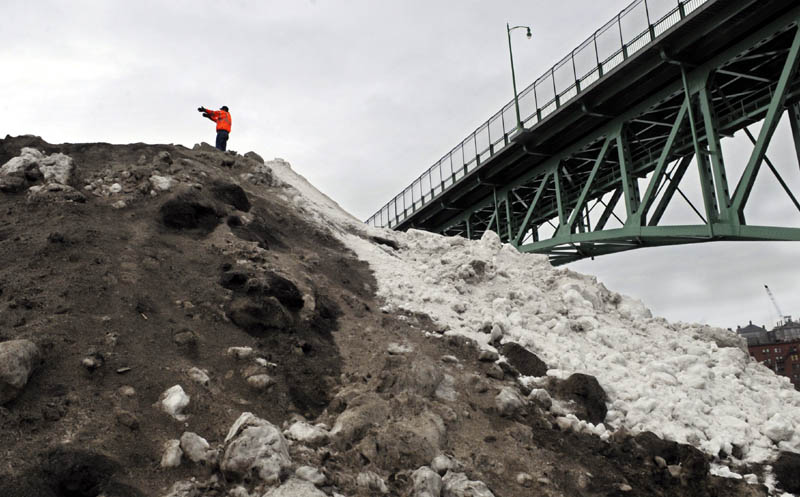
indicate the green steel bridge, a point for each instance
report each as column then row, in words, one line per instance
column 609, row 133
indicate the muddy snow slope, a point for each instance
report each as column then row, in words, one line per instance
column 685, row 382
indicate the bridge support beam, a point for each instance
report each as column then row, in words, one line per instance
column 660, row 172
column 703, row 167
column 794, row 121
column 584, row 199
column 525, row 226
column 776, row 108
column 630, row 187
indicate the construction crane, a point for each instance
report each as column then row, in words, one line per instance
column 785, row 318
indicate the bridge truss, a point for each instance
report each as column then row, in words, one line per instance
column 560, row 188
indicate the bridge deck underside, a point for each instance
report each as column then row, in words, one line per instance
column 600, row 177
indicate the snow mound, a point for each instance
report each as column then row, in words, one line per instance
column 689, row 383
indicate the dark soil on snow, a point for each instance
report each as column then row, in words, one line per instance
column 173, row 279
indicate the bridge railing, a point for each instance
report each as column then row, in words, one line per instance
column 635, row 27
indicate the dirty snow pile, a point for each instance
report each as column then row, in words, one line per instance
column 685, row 382
column 688, row 383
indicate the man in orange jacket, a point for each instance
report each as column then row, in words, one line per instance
column 223, row 119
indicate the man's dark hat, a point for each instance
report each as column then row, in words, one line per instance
column 225, row 108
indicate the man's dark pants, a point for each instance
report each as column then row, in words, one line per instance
column 222, row 139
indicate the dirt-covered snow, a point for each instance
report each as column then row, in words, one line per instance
column 179, row 323
column 685, row 382
column 690, row 383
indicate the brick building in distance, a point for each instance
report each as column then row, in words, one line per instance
column 777, row 349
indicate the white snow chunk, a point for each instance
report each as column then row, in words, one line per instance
column 56, row 168
column 372, row 481
column 508, row 401
column 778, row 428
column 443, row 463
column 294, row 487
column 240, row 352
column 446, row 389
column 311, row 475
column 199, row 376
column 458, row 485
column 238, row 491
column 172, row 454
column 260, row 381
column 173, row 401
column 254, row 445
column 724, row 472
column 398, row 349
column 162, row 183
column 568, row 423
column 307, row 433
column 427, row 483
column 27, row 157
column 195, row 447
column 541, row 396
column 633, row 309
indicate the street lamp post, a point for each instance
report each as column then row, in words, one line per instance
column 513, row 77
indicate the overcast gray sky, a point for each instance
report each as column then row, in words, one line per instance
column 360, row 96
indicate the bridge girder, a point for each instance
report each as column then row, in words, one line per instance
column 563, row 205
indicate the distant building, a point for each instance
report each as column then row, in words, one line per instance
column 788, row 332
column 781, row 357
column 778, row 349
column 752, row 333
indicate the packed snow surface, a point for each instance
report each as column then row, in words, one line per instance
column 688, row 383
column 685, row 382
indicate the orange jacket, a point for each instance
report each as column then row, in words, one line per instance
column 222, row 118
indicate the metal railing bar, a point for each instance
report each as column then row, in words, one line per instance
column 652, row 31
